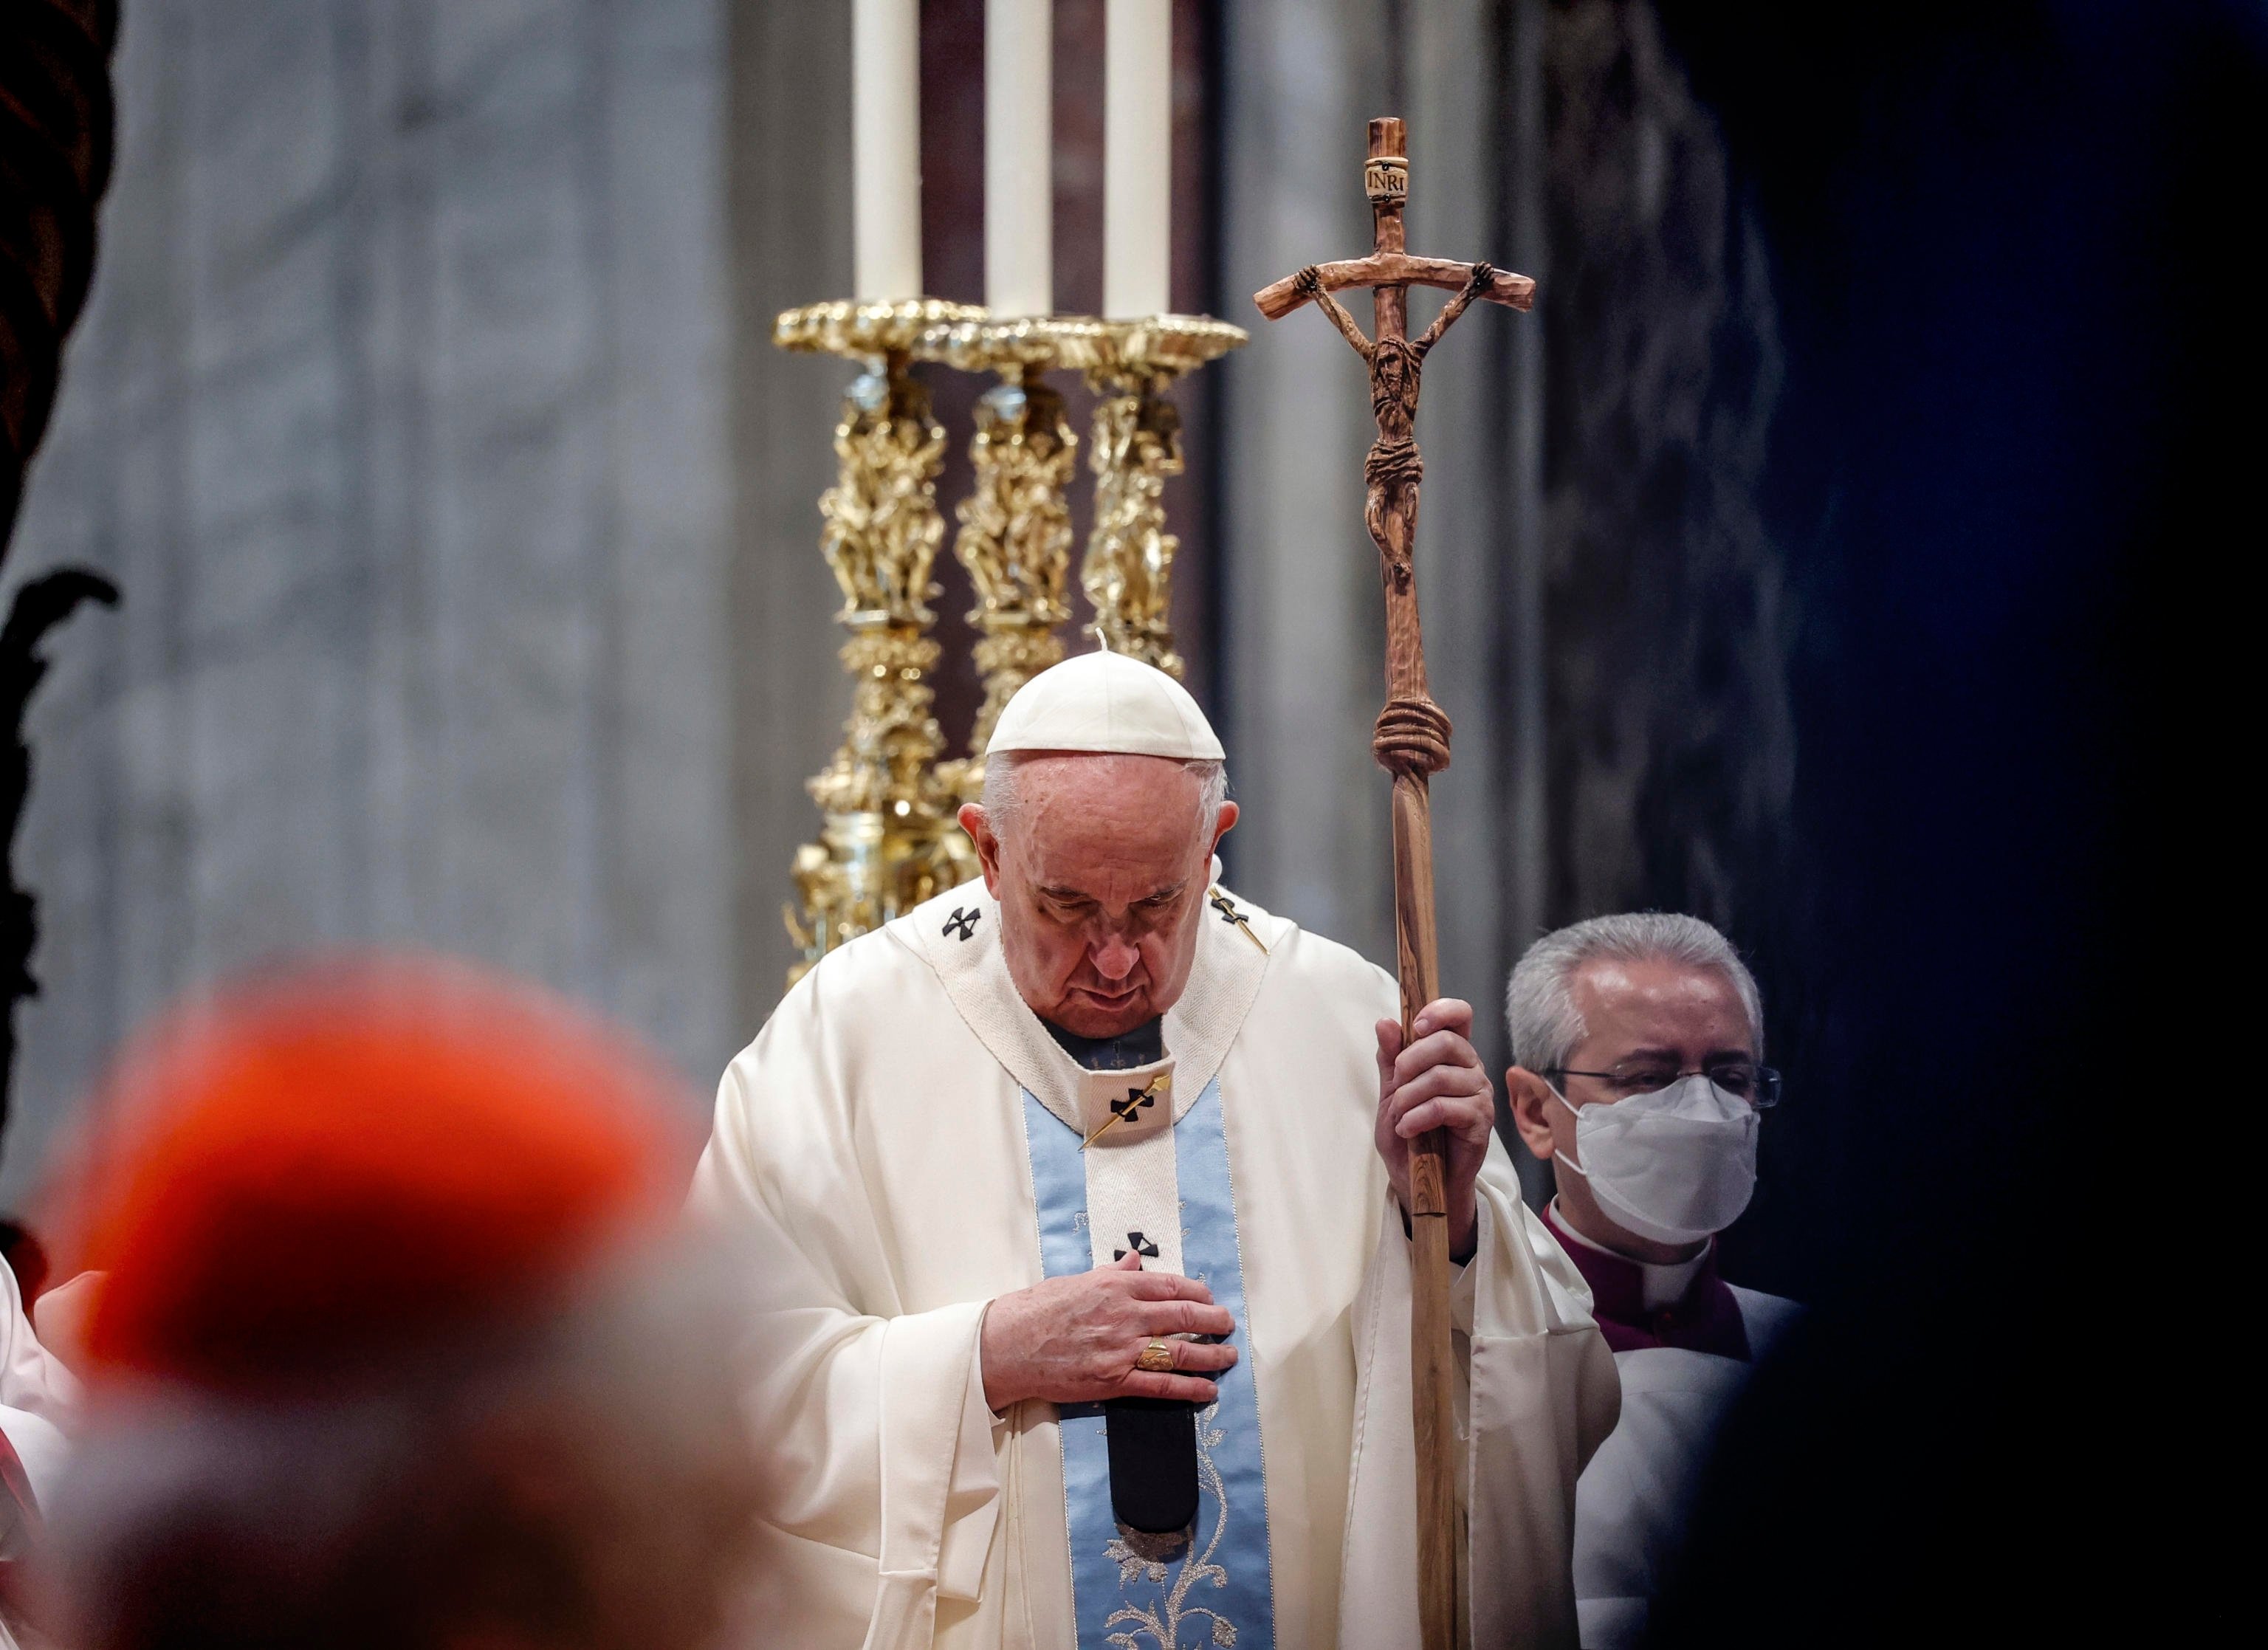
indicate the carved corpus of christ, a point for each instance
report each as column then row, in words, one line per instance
column 1398, row 366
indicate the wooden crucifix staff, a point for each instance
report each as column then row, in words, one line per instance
column 1411, row 742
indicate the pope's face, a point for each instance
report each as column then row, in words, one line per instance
column 1101, row 875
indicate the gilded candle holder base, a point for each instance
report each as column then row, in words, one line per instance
column 1127, row 573
column 889, row 840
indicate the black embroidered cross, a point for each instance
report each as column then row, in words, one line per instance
column 1139, row 1244
column 1136, row 1099
column 961, row 923
column 1236, row 919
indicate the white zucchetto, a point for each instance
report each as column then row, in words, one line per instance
column 1106, row 702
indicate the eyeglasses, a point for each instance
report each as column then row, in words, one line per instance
column 1758, row 1085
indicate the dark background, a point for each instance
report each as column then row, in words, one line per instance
column 2008, row 437
column 2008, row 472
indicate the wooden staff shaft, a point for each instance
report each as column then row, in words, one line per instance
column 1432, row 1371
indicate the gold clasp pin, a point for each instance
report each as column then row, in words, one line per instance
column 1161, row 1083
column 1235, row 918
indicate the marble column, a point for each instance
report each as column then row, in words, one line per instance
column 398, row 415
column 788, row 142
column 1301, row 644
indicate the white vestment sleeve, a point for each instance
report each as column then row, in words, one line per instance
column 972, row 1498
column 1536, row 1396
column 877, row 1448
column 39, row 1399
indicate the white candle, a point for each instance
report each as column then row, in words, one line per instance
column 886, row 149
column 1138, row 159
column 1018, row 144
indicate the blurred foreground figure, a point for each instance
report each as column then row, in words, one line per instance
column 1638, row 1040
column 389, row 1350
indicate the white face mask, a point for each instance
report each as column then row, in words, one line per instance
column 1674, row 1166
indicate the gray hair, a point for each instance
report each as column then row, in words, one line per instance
column 1000, row 799
column 1539, row 1000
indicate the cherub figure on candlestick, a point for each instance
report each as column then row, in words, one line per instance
column 1129, row 557
column 882, row 528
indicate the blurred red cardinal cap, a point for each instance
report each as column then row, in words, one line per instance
column 303, row 1180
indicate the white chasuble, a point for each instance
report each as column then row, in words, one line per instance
column 1632, row 1503
column 901, row 1144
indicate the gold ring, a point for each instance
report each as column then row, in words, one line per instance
column 1156, row 1357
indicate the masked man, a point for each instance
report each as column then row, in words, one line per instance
column 1076, row 1196
column 1637, row 1039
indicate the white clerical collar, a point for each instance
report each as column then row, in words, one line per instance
column 959, row 933
column 1663, row 1284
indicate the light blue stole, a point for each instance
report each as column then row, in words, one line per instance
column 1215, row 1590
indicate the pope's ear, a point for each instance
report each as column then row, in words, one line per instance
column 980, row 831
column 1527, row 1094
column 1224, row 822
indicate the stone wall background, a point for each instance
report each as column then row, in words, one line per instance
column 397, row 413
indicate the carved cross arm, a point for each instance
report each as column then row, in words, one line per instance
column 1395, row 269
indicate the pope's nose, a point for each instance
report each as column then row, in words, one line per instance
column 1114, row 959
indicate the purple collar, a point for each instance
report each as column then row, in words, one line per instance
column 1706, row 1319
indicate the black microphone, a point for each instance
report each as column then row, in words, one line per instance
column 1154, row 1464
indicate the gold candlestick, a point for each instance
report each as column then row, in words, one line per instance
column 1128, row 569
column 889, row 840
column 1015, row 525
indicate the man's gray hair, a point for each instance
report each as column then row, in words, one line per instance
column 1539, row 1000
column 1001, row 799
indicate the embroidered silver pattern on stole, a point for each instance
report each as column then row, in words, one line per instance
column 1159, row 1624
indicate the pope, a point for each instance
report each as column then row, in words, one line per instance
column 1080, row 1272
